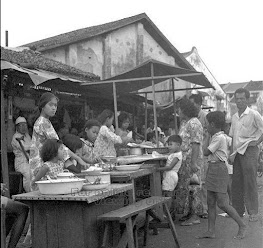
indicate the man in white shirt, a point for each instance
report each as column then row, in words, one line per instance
column 247, row 133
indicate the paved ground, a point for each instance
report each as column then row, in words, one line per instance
column 226, row 229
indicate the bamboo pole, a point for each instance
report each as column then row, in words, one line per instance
column 175, row 117
column 146, row 117
column 143, row 78
column 115, row 104
column 4, row 161
column 154, row 107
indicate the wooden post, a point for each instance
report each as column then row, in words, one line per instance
column 146, row 117
column 174, row 105
column 154, row 107
column 4, row 161
column 115, row 104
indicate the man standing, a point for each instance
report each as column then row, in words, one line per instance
column 21, row 142
column 247, row 133
column 198, row 100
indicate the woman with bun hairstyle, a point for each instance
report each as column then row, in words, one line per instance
column 43, row 130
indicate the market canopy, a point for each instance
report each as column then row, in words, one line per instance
column 37, row 76
column 141, row 77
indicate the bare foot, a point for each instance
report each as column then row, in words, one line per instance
column 241, row 232
column 207, row 235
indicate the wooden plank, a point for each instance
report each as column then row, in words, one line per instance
column 87, row 196
column 52, row 224
column 134, row 208
column 70, row 231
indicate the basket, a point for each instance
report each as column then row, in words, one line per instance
column 161, row 150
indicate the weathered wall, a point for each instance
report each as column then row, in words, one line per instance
column 114, row 53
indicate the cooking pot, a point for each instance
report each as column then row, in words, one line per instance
column 65, row 174
column 136, row 151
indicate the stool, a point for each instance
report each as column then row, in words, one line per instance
column 129, row 216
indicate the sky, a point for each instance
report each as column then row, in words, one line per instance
column 228, row 34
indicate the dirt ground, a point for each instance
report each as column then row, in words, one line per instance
column 226, row 228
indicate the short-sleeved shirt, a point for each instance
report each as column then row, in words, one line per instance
column 104, row 144
column 54, row 168
column 218, row 147
column 171, row 158
column 245, row 128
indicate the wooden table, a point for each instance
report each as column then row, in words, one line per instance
column 68, row 221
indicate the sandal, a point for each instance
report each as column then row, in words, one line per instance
column 190, row 223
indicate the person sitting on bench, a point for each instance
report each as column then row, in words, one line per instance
column 16, row 215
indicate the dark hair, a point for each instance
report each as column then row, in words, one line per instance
column 150, row 136
column 44, row 99
column 175, row 138
column 122, row 117
column 92, row 123
column 242, row 90
column 197, row 98
column 49, row 149
column 188, row 108
column 218, row 118
column 72, row 141
column 106, row 113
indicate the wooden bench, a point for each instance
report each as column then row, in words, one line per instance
column 129, row 216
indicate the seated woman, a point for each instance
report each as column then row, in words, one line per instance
column 16, row 215
column 104, row 144
column 91, row 130
column 122, row 131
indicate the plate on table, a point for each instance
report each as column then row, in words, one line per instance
column 128, row 167
column 91, row 186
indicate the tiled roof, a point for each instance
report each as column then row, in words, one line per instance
column 250, row 86
column 89, row 32
column 232, row 87
column 255, row 86
column 26, row 57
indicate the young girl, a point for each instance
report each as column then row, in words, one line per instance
column 217, row 175
column 52, row 154
column 104, row 144
column 44, row 130
column 91, row 129
column 173, row 164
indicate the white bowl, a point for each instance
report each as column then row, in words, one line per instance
column 128, row 167
column 60, row 186
column 88, row 186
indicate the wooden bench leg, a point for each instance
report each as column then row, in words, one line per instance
column 105, row 235
column 3, row 227
column 146, row 228
column 129, row 227
column 172, row 227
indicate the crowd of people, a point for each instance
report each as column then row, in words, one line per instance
column 204, row 157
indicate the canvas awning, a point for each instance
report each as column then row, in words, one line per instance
column 37, row 76
column 141, row 77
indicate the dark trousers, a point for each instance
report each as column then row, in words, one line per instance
column 244, row 182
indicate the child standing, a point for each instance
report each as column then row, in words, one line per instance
column 217, row 175
column 52, row 154
column 173, row 164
